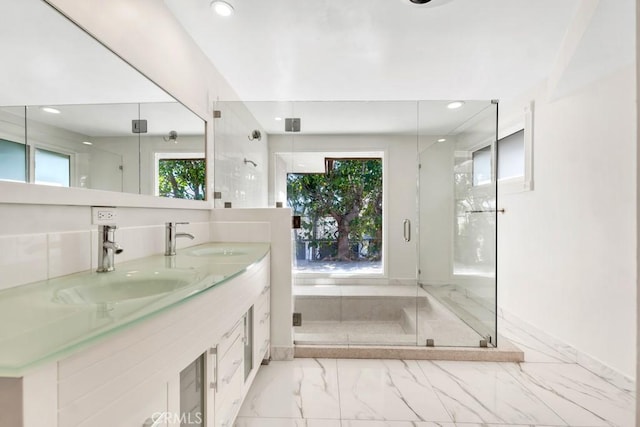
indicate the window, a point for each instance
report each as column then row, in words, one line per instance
column 13, row 161
column 511, row 156
column 341, row 217
column 52, row 168
column 511, row 160
column 482, row 166
column 180, row 178
column 514, row 169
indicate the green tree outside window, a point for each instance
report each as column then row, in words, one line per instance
column 182, row 178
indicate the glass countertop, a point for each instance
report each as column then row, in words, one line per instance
column 46, row 321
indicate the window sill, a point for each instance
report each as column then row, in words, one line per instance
column 514, row 185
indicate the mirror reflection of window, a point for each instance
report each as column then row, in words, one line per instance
column 181, row 178
column 13, row 165
column 52, row 168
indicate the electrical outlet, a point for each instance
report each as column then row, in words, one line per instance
column 103, row 215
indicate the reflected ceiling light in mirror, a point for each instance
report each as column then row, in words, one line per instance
column 50, row 110
column 87, row 143
column 442, row 140
column 278, row 119
column 222, row 8
column 455, row 105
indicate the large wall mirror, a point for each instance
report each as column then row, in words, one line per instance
column 73, row 114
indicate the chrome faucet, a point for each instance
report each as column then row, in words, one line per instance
column 171, row 234
column 107, row 248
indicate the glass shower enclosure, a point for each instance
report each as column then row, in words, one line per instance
column 457, row 246
column 417, row 265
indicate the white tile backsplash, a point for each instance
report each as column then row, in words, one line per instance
column 236, row 231
column 68, row 253
column 23, row 259
column 199, row 230
column 33, row 257
column 139, row 242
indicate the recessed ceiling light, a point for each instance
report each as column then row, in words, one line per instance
column 442, row 140
column 277, row 119
column 222, row 8
column 50, row 110
column 87, row 143
column 455, row 104
column 427, row 3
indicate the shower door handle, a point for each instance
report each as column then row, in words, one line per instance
column 406, row 228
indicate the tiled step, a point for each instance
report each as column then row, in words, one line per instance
column 507, row 352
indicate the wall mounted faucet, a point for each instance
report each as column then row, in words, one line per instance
column 107, row 248
column 171, row 235
column 246, row 161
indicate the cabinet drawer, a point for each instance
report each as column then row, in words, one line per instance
column 229, row 398
column 262, row 328
column 229, row 338
column 228, row 409
column 230, row 366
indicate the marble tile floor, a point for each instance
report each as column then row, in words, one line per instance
column 546, row 390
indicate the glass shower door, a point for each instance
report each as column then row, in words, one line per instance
column 457, row 212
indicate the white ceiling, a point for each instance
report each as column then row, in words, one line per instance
column 380, row 49
column 330, row 50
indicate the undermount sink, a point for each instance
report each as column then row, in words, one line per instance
column 219, row 252
column 118, row 290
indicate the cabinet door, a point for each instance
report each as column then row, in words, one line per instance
column 192, row 393
column 230, row 379
column 248, row 343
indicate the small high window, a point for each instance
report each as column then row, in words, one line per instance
column 511, row 160
column 511, row 156
column 482, row 166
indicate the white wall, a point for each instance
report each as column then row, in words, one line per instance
column 399, row 179
column 437, row 213
column 567, row 249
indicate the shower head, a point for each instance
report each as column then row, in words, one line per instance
column 173, row 137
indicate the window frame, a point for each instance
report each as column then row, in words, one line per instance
column 525, row 123
column 515, row 184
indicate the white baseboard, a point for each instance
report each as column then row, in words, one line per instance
column 585, row 360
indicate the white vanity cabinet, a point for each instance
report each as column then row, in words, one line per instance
column 133, row 376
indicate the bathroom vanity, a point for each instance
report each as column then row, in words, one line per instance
column 160, row 341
